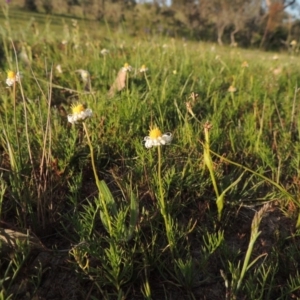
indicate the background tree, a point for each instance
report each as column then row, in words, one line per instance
column 274, row 15
column 249, row 22
column 48, row 6
column 30, row 5
column 229, row 13
column 241, row 13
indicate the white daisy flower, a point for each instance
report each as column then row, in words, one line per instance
column 143, row 69
column 12, row 77
column 79, row 113
column 126, row 67
column 59, row 69
column 156, row 138
column 104, row 51
column 232, row 89
column 85, row 75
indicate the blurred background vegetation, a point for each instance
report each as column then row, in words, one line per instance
column 264, row 24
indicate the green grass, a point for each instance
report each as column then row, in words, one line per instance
column 213, row 215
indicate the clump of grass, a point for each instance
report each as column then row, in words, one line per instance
column 186, row 220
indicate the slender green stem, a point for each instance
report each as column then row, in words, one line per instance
column 208, row 161
column 162, row 203
column 97, row 179
column 127, row 83
column 92, row 154
column 15, row 122
column 147, row 81
column 104, row 65
column 161, row 194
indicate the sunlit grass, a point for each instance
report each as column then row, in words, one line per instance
column 132, row 222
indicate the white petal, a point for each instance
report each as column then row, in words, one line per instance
column 167, row 137
column 88, row 112
column 71, row 119
column 148, row 143
column 156, row 142
column 9, row 82
column 81, row 115
column 161, row 141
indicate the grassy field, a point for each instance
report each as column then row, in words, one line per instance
column 87, row 211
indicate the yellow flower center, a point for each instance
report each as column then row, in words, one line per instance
column 126, row 65
column 77, row 108
column 155, row 133
column 11, row 75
